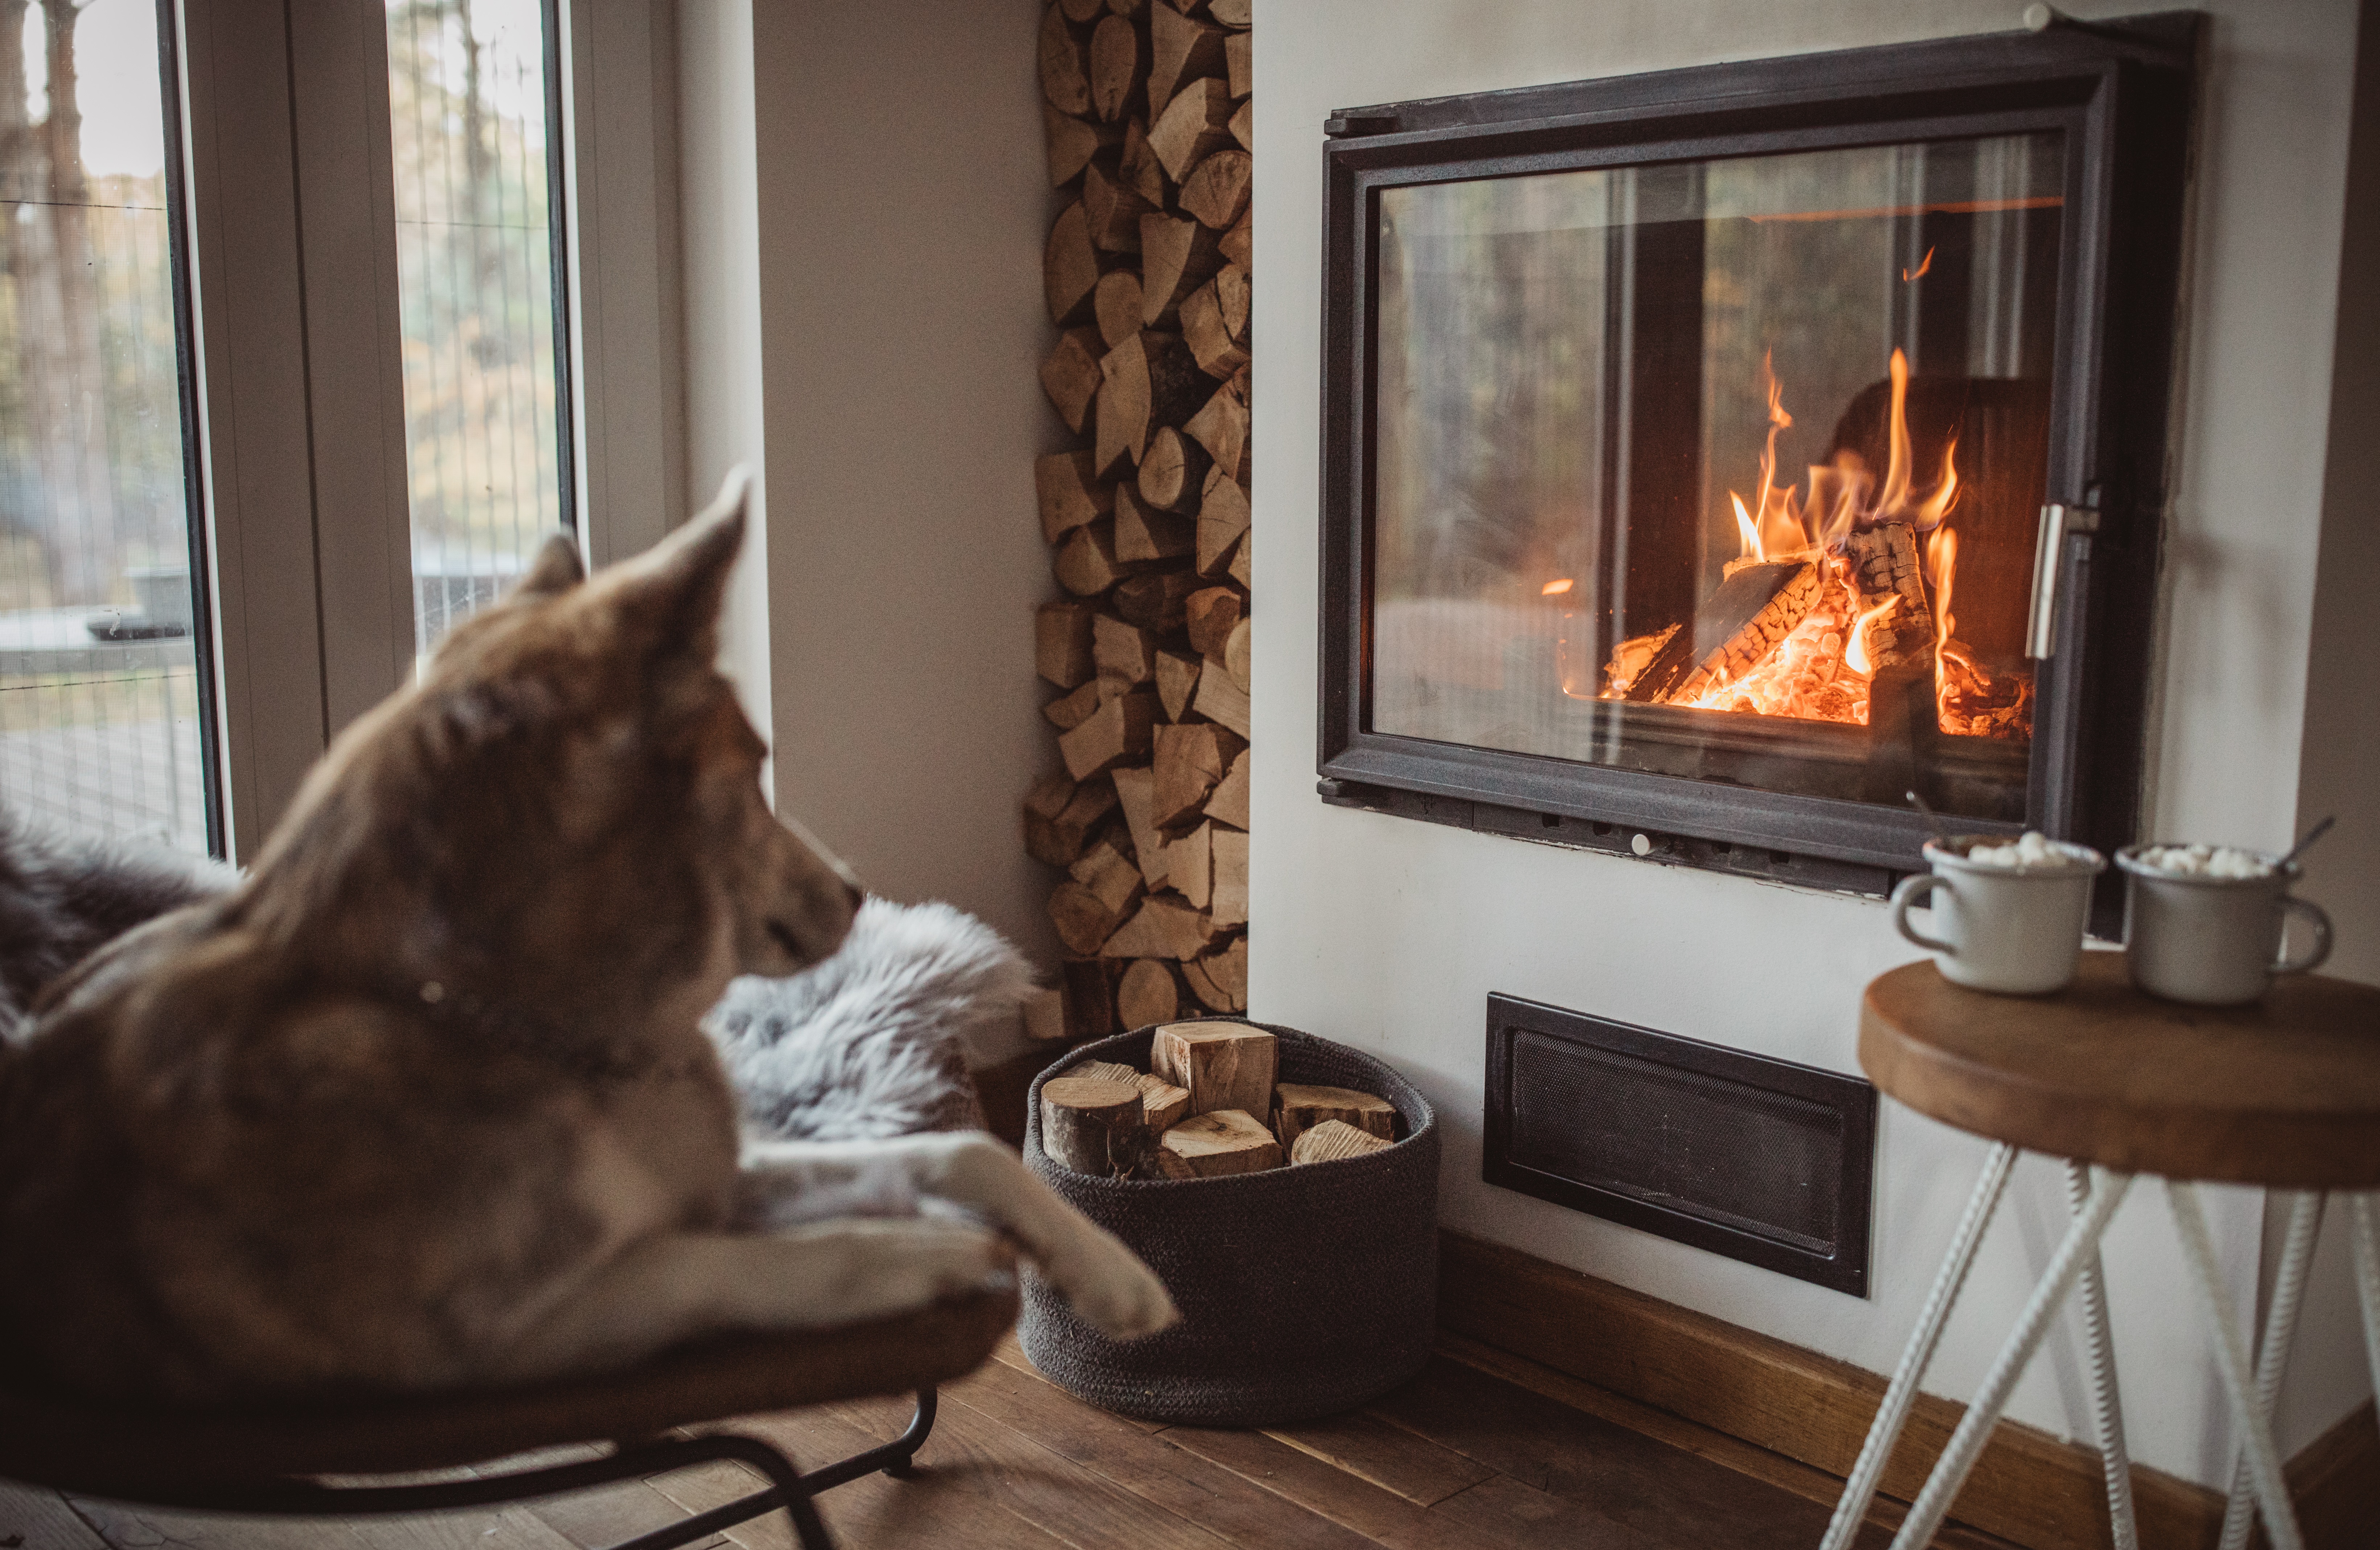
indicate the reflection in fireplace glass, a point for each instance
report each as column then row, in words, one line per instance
column 1726, row 469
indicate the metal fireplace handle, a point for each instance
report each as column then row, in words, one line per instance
column 2048, row 564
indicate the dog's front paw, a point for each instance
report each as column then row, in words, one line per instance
column 1109, row 1286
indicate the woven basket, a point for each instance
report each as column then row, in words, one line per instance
column 1304, row 1290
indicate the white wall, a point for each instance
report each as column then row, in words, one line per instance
column 1389, row 935
column 865, row 207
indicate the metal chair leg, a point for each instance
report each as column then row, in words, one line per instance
column 1933, row 1503
column 2231, row 1364
column 2273, row 1353
column 1893, row 1413
column 893, row 1458
column 2106, row 1398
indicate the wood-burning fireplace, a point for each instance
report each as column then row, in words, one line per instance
column 1712, row 458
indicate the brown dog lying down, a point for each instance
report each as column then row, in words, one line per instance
column 425, row 1103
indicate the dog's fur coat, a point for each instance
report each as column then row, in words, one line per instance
column 425, row 1102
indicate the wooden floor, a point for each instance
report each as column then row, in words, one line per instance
column 1483, row 1451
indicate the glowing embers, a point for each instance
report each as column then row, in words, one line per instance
column 1831, row 589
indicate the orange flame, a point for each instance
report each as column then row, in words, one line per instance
column 1941, row 568
column 1923, row 265
column 1555, row 588
column 1855, row 653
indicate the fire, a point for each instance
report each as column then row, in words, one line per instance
column 1555, row 589
column 1878, row 603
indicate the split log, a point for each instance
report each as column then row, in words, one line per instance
column 1113, row 212
column 1127, row 8
column 1090, row 985
column 1115, row 304
column 1223, row 701
column 1071, row 375
column 1219, row 1143
column 1083, row 10
column 1163, row 1105
column 1219, row 980
column 1117, row 732
column 1135, row 795
column 1140, row 170
column 1059, row 817
column 1181, row 50
column 1123, row 653
column 1221, row 427
column 1190, row 867
column 1062, row 638
column 1754, row 609
column 1243, row 566
column 1299, row 1107
column 1195, row 125
column 1883, row 559
column 1105, row 1071
column 1070, row 492
column 1148, row 995
column 1237, row 660
column 1229, row 903
column 1087, row 564
column 1065, row 71
column 1177, row 679
column 1224, row 1065
column 1212, row 613
column 1203, row 987
column 1071, row 267
column 1084, row 923
column 1143, row 533
column 1243, row 125
column 1222, row 517
column 1159, row 601
column 1072, row 144
column 1177, row 256
column 1044, row 1016
column 1230, row 802
column 1329, row 1142
column 1093, row 1127
column 1119, row 67
column 1239, row 245
column 1112, row 877
column 1235, row 13
column 1071, row 710
column 1173, row 471
column 1191, row 757
column 1233, row 292
column 1148, row 381
column 1162, row 927
column 1210, row 342
column 1216, row 192
column 1239, row 64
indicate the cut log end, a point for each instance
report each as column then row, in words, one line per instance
column 1221, row 1142
column 1332, row 1140
column 1093, row 1126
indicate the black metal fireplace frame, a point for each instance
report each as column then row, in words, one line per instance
column 2122, row 93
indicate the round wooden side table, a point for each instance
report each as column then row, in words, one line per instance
column 2284, row 1094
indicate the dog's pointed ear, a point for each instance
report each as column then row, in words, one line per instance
column 557, row 570
column 672, row 592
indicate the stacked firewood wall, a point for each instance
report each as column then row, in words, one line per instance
column 1146, row 270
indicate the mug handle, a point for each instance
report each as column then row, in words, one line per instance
column 1919, row 885
column 2313, row 911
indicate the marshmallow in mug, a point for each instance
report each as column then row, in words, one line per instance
column 2205, row 861
column 2035, row 853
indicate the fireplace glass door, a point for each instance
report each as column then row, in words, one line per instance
column 1725, row 469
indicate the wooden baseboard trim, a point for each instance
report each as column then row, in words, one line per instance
column 2028, row 1487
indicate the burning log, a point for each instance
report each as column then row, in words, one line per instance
column 1754, row 609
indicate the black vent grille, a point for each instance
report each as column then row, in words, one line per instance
column 1758, row 1159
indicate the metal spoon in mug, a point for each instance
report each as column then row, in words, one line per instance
column 1941, row 830
column 2317, row 832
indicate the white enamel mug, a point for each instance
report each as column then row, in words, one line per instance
column 2017, row 933
column 2213, row 941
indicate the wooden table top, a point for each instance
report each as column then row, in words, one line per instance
column 2285, row 1091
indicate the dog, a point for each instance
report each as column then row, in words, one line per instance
column 424, row 1102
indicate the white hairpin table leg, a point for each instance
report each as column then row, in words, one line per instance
column 2273, row 1353
column 1903, row 1391
column 2107, row 1399
column 1925, row 1514
column 2364, row 1218
column 2231, row 1364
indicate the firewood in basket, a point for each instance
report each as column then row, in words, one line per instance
column 1299, row 1107
column 1159, row 601
column 1224, row 1065
column 1071, row 376
column 1093, row 1127
column 1229, row 906
column 1162, row 927
column 1221, row 427
column 1177, row 679
column 1220, row 1142
column 1195, row 125
column 1163, row 1105
column 1072, row 142
column 1229, row 803
column 1115, row 304
column 1147, row 993
column 1071, row 267
column 1332, row 1140
column 1145, row 532
column 1755, row 599
column 1112, row 211
column 1062, row 642
column 1141, row 172
column 1070, row 494
column 1177, row 256
column 1190, row 759
column 1211, row 344
column 1239, row 60
column 1071, row 710
column 1136, row 795
column 1149, row 381
column 1216, row 192
column 1173, row 472
column 1118, row 68
column 1117, row 732
column 1181, row 50
column 1066, row 70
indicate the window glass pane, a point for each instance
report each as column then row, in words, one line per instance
column 468, row 105
column 100, row 687
column 1726, row 469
